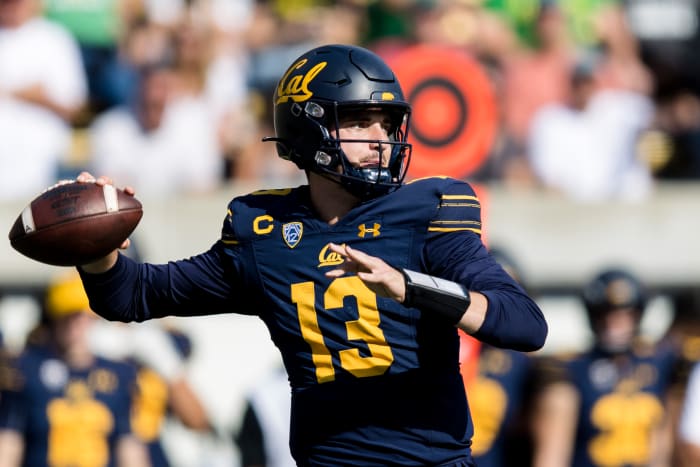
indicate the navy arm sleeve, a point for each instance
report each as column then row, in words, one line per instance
column 130, row 291
column 454, row 251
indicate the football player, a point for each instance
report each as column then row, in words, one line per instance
column 361, row 279
column 499, row 394
column 61, row 404
column 607, row 406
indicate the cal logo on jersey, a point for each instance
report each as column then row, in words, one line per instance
column 296, row 86
column 326, row 257
column 291, row 232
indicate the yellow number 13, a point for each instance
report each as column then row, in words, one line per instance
column 365, row 328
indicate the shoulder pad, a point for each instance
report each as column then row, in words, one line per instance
column 245, row 211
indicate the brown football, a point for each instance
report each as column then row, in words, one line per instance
column 75, row 223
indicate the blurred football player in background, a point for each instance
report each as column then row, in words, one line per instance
column 63, row 405
column 499, row 395
column 361, row 280
column 607, row 406
column 164, row 390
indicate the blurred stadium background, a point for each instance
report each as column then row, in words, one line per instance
column 516, row 49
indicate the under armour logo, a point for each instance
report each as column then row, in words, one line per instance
column 364, row 230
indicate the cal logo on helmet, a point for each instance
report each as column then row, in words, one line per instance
column 296, row 87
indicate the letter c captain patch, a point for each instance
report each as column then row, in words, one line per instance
column 291, row 232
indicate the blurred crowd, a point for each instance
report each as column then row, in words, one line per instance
column 596, row 99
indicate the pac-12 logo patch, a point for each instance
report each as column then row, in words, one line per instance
column 291, row 232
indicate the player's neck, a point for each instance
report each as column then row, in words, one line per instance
column 330, row 200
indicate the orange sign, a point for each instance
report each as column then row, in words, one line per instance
column 454, row 117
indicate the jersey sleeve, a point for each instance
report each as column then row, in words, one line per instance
column 201, row 285
column 454, row 251
column 459, row 210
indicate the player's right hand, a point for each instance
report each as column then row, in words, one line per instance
column 106, row 263
column 377, row 275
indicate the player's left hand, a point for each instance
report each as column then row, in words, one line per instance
column 377, row 275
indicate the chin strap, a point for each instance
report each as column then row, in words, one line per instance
column 435, row 295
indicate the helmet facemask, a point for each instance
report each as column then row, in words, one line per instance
column 368, row 181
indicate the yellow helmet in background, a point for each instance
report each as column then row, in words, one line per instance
column 65, row 295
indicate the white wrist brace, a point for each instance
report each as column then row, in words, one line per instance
column 435, row 295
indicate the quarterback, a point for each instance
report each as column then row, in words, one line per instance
column 361, row 279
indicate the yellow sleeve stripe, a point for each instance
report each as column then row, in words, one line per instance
column 453, row 229
column 230, row 242
column 462, row 197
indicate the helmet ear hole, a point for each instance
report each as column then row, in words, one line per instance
column 327, row 160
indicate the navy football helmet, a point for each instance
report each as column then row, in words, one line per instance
column 319, row 86
column 612, row 289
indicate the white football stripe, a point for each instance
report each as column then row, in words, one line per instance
column 111, row 200
column 28, row 220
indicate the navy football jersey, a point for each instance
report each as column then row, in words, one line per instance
column 373, row 382
column 150, row 412
column 496, row 396
column 621, row 404
column 67, row 416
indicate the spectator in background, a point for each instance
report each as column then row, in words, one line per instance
column 64, row 405
column 42, row 90
column 529, row 78
column 668, row 33
column 537, row 75
column 607, row 406
column 586, row 149
column 163, row 144
column 99, row 28
column 208, row 71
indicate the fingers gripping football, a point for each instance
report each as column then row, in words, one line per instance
column 377, row 275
